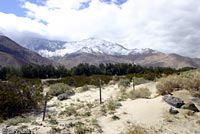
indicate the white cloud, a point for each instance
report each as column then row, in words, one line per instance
column 169, row 26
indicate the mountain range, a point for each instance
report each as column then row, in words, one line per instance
column 93, row 51
column 12, row 54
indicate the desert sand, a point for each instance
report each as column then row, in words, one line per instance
column 151, row 113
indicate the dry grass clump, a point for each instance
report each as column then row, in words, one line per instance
column 135, row 129
column 111, row 105
column 134, row 94
column 139, row 93
column 189, row 80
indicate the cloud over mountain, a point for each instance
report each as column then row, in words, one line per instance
column 167, row 26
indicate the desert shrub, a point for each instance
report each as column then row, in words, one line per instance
column 111, row 104
column 96, row 125
column 18, row 95
column 124, row 83
column 189, row 80
column 135, row 129
column 70, row 110
column 55, row 130
column 58, row 88
column 139, row 93
column 138, row 81
column 15, row 121
column 81, row 128
column 53, row 121
column 123, row 94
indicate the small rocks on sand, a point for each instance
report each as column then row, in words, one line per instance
column 190, row 106
column 173, row 111
column 174, row 101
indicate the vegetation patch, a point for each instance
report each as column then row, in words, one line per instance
column 138, row 81
column 189, row 80
column 58, row 88
column 139, row 93
column 135, row 129
column 124, row 83
column 18, row 95
column 15, row 121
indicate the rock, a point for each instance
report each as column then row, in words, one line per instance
column 173, row 111
column 65, row 95
column 118, row 104
column 190, row 106
column 174, row 101
column 196, row 99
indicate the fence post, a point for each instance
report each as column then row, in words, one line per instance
column 100, row 97
column 45, row 105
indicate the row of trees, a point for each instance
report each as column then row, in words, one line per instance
column 49, row 71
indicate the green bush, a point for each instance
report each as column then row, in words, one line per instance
column 58, row 88
column 18, row 95
column 15, row 121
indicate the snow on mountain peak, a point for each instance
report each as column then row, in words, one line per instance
column 94, row 45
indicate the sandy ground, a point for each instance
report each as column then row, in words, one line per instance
column 150, row 113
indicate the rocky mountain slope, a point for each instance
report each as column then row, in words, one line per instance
column 12, row 54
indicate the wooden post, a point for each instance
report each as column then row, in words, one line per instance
column 100, row 97
column 45, row 105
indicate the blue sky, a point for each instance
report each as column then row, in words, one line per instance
column 15, row 6
column 11, row 6
column 162, row 25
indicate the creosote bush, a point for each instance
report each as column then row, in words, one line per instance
column 58, row 88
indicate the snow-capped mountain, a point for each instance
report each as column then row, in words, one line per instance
column 93, row 45
column 96, row 51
